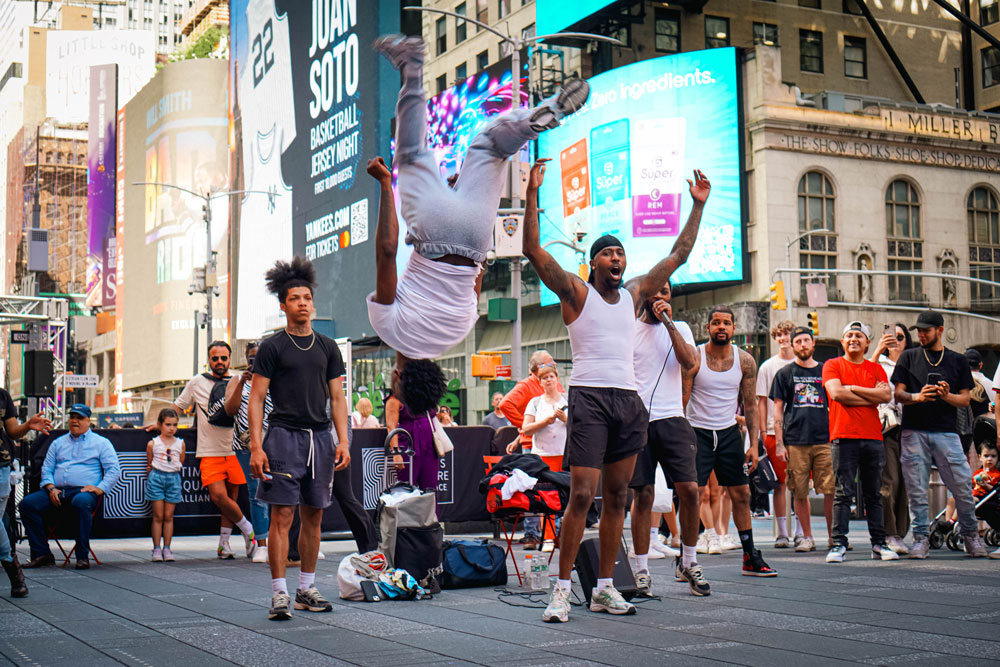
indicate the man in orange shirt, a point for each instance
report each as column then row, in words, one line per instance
column 856, row 387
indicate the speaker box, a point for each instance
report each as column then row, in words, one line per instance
column 587, row 559
column 39, row 371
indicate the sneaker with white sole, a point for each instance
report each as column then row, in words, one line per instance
column 168, row 557
column 974, row 546
column 678, row 574
column 280, row 607
column 400, row 49
column 609, row 600
column 805, row 545
column 782, row 542
column 643, row 584
column 157, row 555
column 260, row 556
column 696, row 579
column 225, row 552
column 883, row 552
column 837, row 554
column 557, row 610
column 995, row 555
column 310, row 599
column 702, row 546
column 729, row 542
column 570, row 98
column 250, row 542
column 921, row 547
column 663, row 549
column 714, row 545
column 897, row 545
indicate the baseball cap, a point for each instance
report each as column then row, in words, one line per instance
column 929, row 319
column 975, row 359
column 801, row 331
column 858, row 326
column 81, row 409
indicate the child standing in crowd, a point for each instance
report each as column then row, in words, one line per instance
column 985, row 480
column 164, row 458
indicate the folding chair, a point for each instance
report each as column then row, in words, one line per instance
column 50, row 531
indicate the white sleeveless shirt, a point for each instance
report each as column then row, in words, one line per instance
column 162, row 452
column 715, row 394
column 603, row 339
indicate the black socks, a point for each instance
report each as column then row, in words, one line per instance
column 746, row 539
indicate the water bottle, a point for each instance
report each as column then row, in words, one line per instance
column 529, row 572
column 543, row 575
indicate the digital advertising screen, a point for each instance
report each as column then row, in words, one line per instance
column 310, row 103
column 560, row 15
column 620, row 166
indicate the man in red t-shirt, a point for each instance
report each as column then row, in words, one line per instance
column 856, row 387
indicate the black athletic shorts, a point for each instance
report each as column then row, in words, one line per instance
column 606, row 425
column 671, row 444
column 721, row 451
column 298, row 477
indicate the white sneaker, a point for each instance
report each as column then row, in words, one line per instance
column 702, row 546
column 897, row 545
column 663, row 549
column 714, row 545
column 652, row 554
column 157, row 555
column 995, row 554
column 225, row 552
column 320, row 556
column 837, row 554
column 251, row 544
column 260, row 556
column 558, row 609
column 883, row 552
column 729, row 542
column 610, row 600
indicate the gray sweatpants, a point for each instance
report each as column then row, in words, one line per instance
column 441, row 220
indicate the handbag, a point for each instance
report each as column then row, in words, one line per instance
column 442, row 443
column 472, row 564
column 763, row 477
column 663, row 496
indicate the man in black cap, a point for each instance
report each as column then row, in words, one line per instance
column 932, row 383
column 607, row 419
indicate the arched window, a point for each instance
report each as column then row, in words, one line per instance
column 905, row 250
column 984, row 247
column 816, row 212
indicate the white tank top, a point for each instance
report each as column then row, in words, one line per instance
column 162, row 452
column 602, row 339
column 715, row 394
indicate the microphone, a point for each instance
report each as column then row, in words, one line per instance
column 666, row 320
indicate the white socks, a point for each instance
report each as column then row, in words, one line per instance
column 564, row 584
column 782, row 526
column 306, row 580
column 642, row 562
column 245, row 526
column 224, row 534
column 601, row 583
column 689, row 555
column 798, row 528
column 279, row 586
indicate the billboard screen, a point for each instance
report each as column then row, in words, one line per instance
column 69, row 54
column 101, row 186
column 557, row 15
column 176, row 133
column 304, row 100
column 619, row 166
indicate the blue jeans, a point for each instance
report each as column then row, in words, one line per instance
column 854, row 458
column 533, row 526
column 4, row 495
column 260, row 512
column 35, row 505
column 918, row 450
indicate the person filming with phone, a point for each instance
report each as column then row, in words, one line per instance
column 931, row 383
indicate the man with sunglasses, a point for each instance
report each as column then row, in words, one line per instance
column 221, row 474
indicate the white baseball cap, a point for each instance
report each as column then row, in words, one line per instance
column 858, row 326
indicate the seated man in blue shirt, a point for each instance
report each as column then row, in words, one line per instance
column 79, row 467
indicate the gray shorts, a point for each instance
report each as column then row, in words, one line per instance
column 301, row 463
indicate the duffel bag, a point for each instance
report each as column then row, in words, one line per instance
column 472, row 563
column 418, row 551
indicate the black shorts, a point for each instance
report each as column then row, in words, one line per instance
column 721, row 451
column 606, row 424
column 294, row 480
column 672, row 445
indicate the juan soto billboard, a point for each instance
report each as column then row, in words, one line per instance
column 619, row 166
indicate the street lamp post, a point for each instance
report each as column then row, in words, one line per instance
column 515, row 167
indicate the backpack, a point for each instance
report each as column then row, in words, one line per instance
column 216, row 412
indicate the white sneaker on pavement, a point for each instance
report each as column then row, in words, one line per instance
column 663, row 549
column 715, row 545
column 260, row 556
column 558, row 609
column 729, row 542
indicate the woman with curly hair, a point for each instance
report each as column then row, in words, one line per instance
column 412, row 406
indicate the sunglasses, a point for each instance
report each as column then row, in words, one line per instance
column 900, row 337
column 552, row 365
column 220, row 358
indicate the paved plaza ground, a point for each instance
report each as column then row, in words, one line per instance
column 202, row 611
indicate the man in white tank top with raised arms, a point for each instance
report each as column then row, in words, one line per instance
column 724, row 377
column 607, row 419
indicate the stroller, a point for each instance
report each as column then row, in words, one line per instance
column 407, row 524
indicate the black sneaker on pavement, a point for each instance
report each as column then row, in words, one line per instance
column 694, row 576
column 754, row 566
column 280, row 610
column 311, row 600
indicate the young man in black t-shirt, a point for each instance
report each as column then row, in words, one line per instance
column 296, row 462
column 932, row 383
column 802, row 432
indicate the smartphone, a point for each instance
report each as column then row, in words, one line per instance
column 933, row 378
column 371, row 591
column 885, row 328
column 657, row 150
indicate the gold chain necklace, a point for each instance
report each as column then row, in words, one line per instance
column 306, row 349
column 940, row 359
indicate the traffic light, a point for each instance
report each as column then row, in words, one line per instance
column 778, row 295
column 814, row 321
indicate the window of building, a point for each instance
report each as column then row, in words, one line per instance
column 716, row 32
column 905, row 249
column 989, row 11
column 811, row 4
column 441, row 35
column 528, row 32
column 441, row 83
column 482, row 60
column 482, row 12
column 855, row 58
column 461, row 73
column 984, row 247
column 503, row 8
column 460, row 25
column 991, row 66
column 668, row 31
column 811, row 51
column 163, row 40
column 816, row 211
column 765, row 33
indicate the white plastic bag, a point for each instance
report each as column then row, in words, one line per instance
column 662, row 495
column 349, row 580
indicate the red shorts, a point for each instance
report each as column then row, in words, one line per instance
column 216, row 468
column 770, row 446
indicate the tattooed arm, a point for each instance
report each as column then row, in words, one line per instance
column 748, row 397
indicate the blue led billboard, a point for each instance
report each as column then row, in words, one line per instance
column 556, row 15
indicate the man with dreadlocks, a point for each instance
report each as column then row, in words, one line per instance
column 297, row 459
